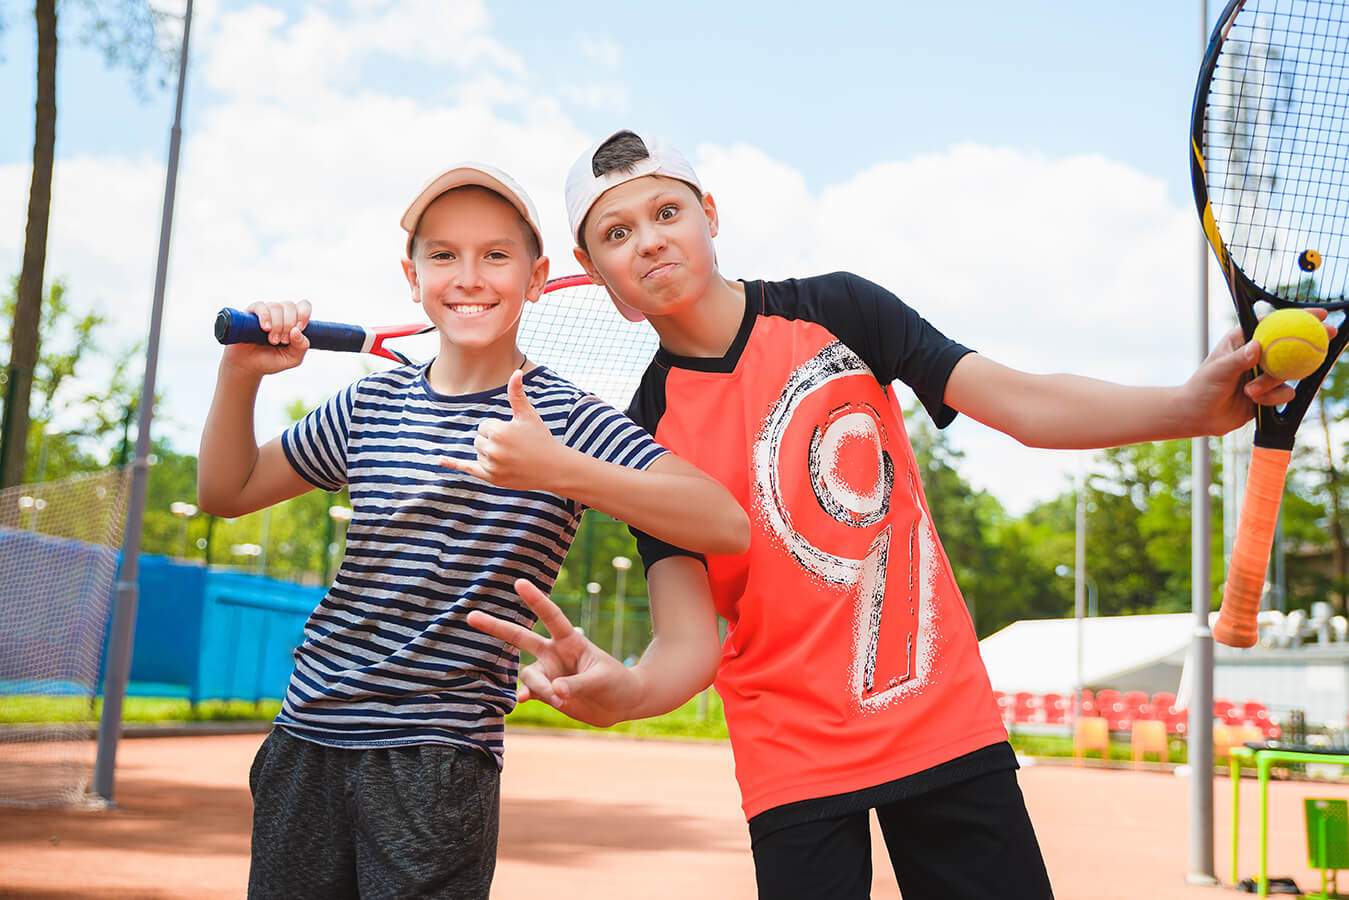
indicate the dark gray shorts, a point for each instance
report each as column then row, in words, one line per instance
column 396, row 822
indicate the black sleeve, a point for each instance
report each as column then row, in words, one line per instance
column 890, row 337
column 646, row 409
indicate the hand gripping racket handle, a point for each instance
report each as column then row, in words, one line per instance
column 1236, row 625
column 234, row 326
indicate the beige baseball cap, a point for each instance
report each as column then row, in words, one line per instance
column 584, row 185
column 471, row 173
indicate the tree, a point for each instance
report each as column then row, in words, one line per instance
column 126, row 31
column 68, row 339
column 993, row 557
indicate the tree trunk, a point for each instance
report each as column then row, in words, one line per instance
column 28, row 310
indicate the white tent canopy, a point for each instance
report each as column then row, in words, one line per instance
column 1127, row 653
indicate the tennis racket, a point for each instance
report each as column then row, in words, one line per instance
column 573, row 329
column 1270, row 168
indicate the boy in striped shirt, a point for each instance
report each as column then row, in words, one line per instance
column 468, row 476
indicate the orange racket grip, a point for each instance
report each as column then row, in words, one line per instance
column 1236, row 625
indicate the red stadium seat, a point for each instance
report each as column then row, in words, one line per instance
column 1254, row 711
column 1056, row 708
column 1137, row 705
column 1004, row 707
column 1110, row 706
column 1227, row 712
column 1164, row 708
column 1024, row 706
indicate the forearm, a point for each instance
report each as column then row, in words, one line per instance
column 1073, row 412
column 229, row 449
column 671, row 500
column 668, row 677
column 685, row 648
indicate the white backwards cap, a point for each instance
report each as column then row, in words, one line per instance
column 584, row 186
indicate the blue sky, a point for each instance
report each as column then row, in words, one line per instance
column 1018, row 172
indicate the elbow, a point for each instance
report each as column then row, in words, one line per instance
column 734, row 537
column 705, row 668
column 216, row 504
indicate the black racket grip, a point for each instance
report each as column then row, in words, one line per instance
column 234, row 326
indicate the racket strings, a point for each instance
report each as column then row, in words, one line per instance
column 577, row 332
column 1275, row 146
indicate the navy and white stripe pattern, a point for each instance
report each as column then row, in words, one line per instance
column 387, row 658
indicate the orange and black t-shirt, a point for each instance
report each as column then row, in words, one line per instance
column 850, row 660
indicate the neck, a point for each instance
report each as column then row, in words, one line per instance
column 707, row 328
column 457, row 371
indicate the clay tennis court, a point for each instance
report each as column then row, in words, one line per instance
column 596, row 816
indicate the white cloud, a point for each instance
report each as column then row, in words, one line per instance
column 1079, row 265
column 296, row 170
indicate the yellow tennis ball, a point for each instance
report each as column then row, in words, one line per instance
column 1292, row 343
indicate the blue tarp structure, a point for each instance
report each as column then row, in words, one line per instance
column 208, row 635
column 200, row 634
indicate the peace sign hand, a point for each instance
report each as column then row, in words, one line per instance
column 571, row 674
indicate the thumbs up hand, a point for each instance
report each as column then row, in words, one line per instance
column 516, row 454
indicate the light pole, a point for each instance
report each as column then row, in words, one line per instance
column 1080, row 576
column 590, row 608
column 121, row 631
column 621, row 565
column 1068, row 572
column 33, row 506
column 184, row 511
column 248, row 551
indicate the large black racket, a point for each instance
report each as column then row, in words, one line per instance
column 573, row 329
column 1270, row 168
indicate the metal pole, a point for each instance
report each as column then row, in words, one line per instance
column 1080, row 585
column 619, row 611
column 124, row 609
column 1200, row 733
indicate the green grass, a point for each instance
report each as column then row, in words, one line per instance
column 24, row 709
column 684, row 722
column 1051, row 745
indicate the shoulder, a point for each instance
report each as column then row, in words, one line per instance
column 843, row 302
column 547, row 389
column 830, row 288
column 386, row 382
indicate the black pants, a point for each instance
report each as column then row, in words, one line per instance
column 971, row 840
column 395, row 822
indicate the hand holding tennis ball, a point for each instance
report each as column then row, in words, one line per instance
column 1293, row 343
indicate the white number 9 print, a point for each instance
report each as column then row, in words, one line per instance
column 844, row 447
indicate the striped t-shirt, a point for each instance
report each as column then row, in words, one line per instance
column 387, row 657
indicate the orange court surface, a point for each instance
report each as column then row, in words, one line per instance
column 597, row 816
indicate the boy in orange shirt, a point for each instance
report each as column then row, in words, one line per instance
column 850, row 672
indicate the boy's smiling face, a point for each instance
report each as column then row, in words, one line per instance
column 473, row 268
column 649, row 241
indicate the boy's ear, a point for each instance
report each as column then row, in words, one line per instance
column 710, row 210
column 588, row 265
column 410, row 273
column 538, row 277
